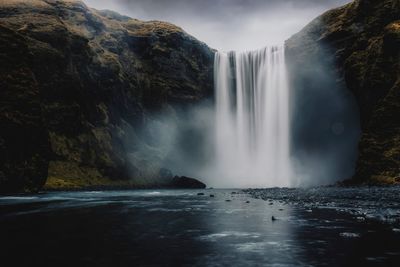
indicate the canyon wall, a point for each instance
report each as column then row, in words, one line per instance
column 359, row 45
column 77, row 87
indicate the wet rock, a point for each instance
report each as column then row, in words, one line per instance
column 200, row 194
column 365, row 202
column 187, row 183
column 273, row 218
column 212, row 195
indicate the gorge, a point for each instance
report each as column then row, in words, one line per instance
column 128, row 142
column 93, row 116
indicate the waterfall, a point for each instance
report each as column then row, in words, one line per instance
column 252, row 118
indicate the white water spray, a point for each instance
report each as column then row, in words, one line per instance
column 252, row 119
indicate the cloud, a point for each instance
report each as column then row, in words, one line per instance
column 227, row 24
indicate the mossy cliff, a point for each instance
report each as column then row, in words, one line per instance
column 77, row 84
column 361, row 44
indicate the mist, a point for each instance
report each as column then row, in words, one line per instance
column 177, row 141
column 227, row 25
column 324, row 122
column 323, row 133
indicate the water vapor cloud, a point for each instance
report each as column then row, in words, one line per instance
column 227, row 24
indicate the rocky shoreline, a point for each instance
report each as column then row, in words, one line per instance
column 380, row 203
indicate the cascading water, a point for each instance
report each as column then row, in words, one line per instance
column 252, row 118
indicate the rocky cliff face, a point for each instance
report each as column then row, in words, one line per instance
column 360, row 44
column 77, row 84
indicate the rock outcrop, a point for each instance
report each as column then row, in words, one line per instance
column 78, row 84
column 187, row 182
column 361, row 44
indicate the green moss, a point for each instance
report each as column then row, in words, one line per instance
column 70, row 175
column 76, row 78
column 383, row 180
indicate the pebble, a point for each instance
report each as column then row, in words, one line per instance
column 380, row 203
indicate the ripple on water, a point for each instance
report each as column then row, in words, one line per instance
column 216, row 236
column 254, row 247
column 349, row 235
column 165, row 210
column 153, row 193
column 17, row 198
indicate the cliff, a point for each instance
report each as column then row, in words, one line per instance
column 78, row 84
column 78, row 87
column 360, row 44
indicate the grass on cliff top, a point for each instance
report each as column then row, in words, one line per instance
column 145, row 28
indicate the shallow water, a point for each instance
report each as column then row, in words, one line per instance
column 181, row 228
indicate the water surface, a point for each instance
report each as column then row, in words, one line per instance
column 182, row 228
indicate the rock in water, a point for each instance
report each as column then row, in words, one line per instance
column 187, row 183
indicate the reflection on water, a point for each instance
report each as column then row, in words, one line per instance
column 175, row 228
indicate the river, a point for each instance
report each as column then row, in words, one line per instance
column 187, row 228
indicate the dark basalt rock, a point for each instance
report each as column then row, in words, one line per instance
column 78, row 84
column 361, row 43
column 24, row 145
column 184, row 182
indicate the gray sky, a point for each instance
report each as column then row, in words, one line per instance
column 227, row 24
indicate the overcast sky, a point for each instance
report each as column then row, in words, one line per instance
column 227, row 24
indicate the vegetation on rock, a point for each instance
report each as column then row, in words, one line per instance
column 78, row 84
column 362, row 42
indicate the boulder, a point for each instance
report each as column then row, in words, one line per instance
column 184, row 182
